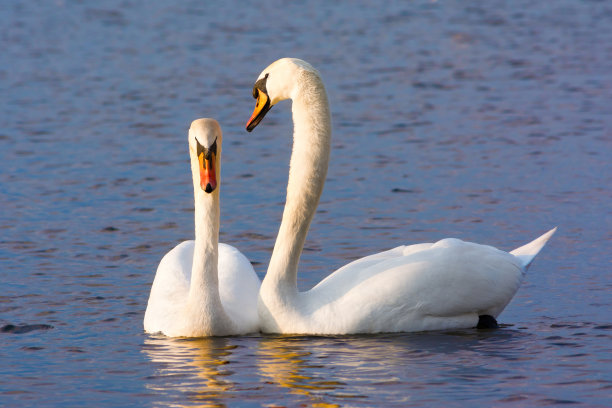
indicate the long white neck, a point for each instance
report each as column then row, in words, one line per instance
column 307, row 172
column 204, row 273
column 204, row 300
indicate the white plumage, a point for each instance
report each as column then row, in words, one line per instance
column 202, row 287
column 442, row 285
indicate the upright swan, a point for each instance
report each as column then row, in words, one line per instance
column 442, row 285
column 203, row 288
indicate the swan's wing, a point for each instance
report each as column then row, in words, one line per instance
column 170, row 288
column 454, row 277
column 437, row 286
column 238, row 288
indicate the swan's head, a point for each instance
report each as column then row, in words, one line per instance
column 277, row 82
column 205, row 149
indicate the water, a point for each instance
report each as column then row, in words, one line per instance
column 486, row 121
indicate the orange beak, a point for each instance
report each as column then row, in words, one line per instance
column 208, row 177
column 261, row 108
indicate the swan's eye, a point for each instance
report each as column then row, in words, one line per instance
column 199, row 148
column 212, row 149
column 260, row 86
column 207, row 152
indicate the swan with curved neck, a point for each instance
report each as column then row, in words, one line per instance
column 202, row 287
column 430, row 286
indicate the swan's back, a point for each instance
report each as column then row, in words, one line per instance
column 412, row 288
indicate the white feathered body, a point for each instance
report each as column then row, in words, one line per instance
column 444, row 285
column 201, row 287
column 168, row 310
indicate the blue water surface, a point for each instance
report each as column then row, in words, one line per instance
column 487, row 121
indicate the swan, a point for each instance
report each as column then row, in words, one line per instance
column 448, row 284
column 204, row 288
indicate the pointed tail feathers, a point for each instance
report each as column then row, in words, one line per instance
column 527, row 253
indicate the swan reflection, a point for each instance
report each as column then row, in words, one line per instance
column 328, row 371
column 304, row 366
column 197, row 368
column 322, row 371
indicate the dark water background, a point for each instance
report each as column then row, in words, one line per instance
column 489, row 121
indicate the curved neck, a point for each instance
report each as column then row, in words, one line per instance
column 307, row 172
